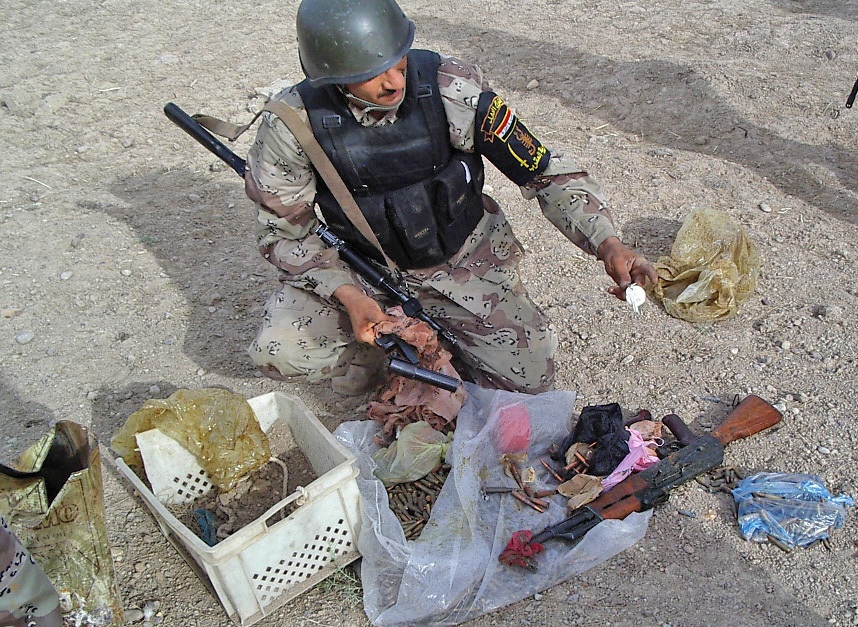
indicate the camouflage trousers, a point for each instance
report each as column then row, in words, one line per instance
column 477, row 295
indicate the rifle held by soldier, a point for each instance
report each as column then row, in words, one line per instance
column 402, row 361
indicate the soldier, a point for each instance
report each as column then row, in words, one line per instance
column 408, row 130
column 27, row 597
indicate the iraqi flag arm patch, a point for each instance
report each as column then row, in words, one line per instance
column 504, row 140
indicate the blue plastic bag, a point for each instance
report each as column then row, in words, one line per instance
column 795, row 509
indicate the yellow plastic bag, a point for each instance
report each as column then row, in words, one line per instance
column 217, row 426
column 712, row 268
column 53, row 500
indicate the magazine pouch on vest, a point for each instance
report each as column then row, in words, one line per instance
column 420, row 197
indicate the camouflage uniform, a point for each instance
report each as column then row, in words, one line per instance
column 27, row 597
column 477, row 293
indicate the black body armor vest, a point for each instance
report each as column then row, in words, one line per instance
column 421, row 197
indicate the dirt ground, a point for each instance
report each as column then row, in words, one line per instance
column 129, row 269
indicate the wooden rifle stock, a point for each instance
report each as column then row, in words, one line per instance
column 750, row 416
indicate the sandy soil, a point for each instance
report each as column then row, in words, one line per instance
column 129, row 268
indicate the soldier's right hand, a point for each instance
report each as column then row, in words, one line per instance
column 364, row 312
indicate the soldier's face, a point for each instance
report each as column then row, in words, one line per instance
column 386, row 89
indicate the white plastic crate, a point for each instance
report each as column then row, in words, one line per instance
column 269, row 562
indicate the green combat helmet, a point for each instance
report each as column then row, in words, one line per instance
column 350, row 41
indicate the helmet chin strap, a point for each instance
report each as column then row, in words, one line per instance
column 366, row 105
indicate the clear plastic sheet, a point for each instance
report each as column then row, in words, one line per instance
column 451, row 573
column 796, row 509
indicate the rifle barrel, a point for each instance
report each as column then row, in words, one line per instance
column 196, row 130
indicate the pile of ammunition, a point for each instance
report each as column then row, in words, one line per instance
column 723, row 479
column 412, row 502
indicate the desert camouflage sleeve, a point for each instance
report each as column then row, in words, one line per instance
column 282, row 183
column 568, row 197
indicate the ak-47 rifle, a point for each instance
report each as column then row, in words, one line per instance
column 650, row 487
column 402, row 361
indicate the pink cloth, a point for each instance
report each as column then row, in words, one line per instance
column 640, row 456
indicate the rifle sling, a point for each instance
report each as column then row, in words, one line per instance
column 304, row 135
column 326, row 170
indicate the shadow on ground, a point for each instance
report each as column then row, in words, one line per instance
column 24, row 422
column 206, row 246
column 664, row 103
column 833, row 8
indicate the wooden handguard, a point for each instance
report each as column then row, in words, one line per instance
column 750, row 416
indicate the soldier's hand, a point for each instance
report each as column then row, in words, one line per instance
column 625, row 266
column 364, row 312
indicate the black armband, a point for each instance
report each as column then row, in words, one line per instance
column 505, row 141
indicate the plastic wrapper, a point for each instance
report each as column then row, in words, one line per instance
column 417, row 451
column 451, row 573
column 53, row 500
column 712, row 268
column 796, row 509
column 217, row 426
column 513, row 429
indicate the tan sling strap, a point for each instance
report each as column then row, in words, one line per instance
column 304, row 135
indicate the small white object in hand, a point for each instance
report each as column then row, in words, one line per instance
column 635, row 296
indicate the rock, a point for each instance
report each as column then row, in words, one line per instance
column 25, row 338
column 65, row 276
column 149, row 609
column 134, row 615
column 765, row 208
column 830, row 313
column 533, row 84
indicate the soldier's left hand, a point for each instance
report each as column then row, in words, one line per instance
column 625, row 267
